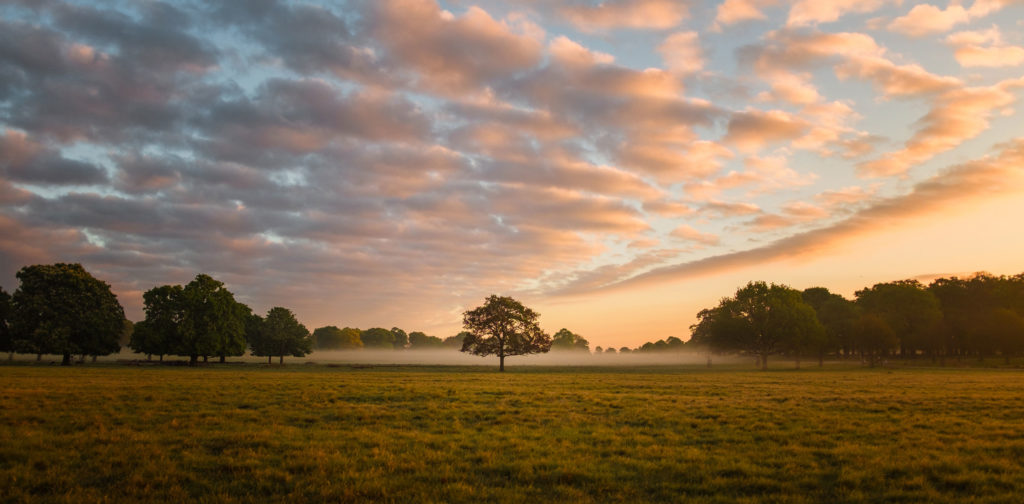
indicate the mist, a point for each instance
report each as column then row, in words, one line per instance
column 440, row 357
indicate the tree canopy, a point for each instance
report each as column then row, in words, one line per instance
column 332, row 338
column 421, row 341
column 761, row 320
column 62, row 309
column 504, row 327
column 281, row 334
column 378, row 337
column 565, row 339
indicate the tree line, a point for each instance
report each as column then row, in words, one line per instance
column 950, row 318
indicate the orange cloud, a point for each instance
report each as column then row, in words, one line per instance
column 682, row 53
column 985, row 49
column 688, row 233
column 736, row 11
column 805, row 12
column 925, row 19
column 636, row 14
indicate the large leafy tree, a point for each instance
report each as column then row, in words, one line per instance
column 281, row 334
column 504, row 327
column 760, row 320
column 6, row 339
column 158, row 333
column 212, row 322
column 837, row 315
column 565, row 339
column 62, row 309
column 913, row 313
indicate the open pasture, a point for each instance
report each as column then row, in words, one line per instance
column 244, row 433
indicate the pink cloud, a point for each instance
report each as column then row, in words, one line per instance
column 805, row 12
column 688, row 233
column 636, row 14
column 926, row 19
column 985, row 49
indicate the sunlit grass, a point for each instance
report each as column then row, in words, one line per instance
column 442, row 434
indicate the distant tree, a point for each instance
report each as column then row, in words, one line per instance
column 420, row 341
column 624, row 349
column 378, row 337
column 839, row 317
column 504, row 327
column 126, row 333
column 565, row 339
column 281, row 334
column 401, row 338
column 674, row 344
column 6, row 339
column 329, row 338
column 596, row 350
column 158, row 334
column 760, row 320
column 62, row 309
column 212, row 322
column 609, row 350
column 455, row 341
column 351, row 338
column 913, row 313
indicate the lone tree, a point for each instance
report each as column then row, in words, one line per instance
column 503, row 327
column 281, row 334
column 62, row 309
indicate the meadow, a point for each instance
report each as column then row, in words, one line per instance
column 251, row 433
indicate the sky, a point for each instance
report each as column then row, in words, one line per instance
column 616, row 165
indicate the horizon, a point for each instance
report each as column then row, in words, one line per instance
column 616, row 167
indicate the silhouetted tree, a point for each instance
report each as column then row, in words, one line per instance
column 62, row 309
column 609, row 350
column 281, row 334
column 624, row 349
column 565, row 339
column 330, row 338
column 874, row 337
column 378, row 337
column 504, row 327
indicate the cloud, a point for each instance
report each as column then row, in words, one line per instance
column 959, row 185
column 736, row 11
column 926, row 19
column 634, row 14
column 682, row 53
column 453, row 55
column 688, row 233
column 751, row 130
column 805, row 12
column 985, row 49
column 24, row 160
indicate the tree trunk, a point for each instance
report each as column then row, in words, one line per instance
column 821, row 359
column 66, row 361
column 206, row 358
column 501, row 363
column 193, row 359
column 161, row 357
column 798, row 361
column 10, row 356
column 94, row 358
column 280, row 359
column 709, row 360
column 764, row 362
column 269, row 361
column 149, row 356
column 39, row 357
column 222, row 359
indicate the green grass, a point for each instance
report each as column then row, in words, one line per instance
column 441, row 434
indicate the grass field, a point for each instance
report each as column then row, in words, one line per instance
column 468, row 434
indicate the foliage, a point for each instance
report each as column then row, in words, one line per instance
column 332, row 338
column 158, row 333
column 420, row 341
column 212, row 322
column 401, row 338
column 761, row 320
column 910, row 310
column 378, row 337
column 281, row 334
column 455, row 341
column 62, row 309
column 565, row 339
column 504, row 327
